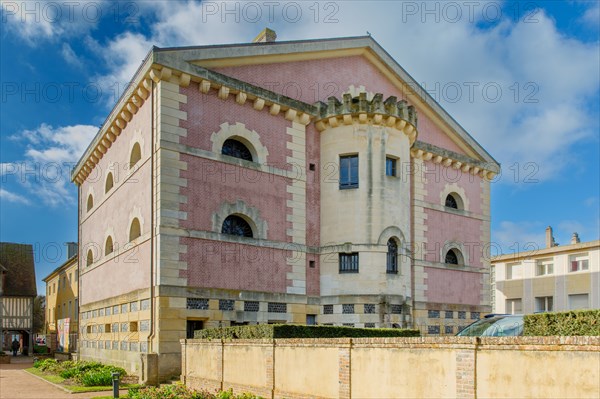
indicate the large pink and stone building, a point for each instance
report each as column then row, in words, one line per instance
column 277, row 182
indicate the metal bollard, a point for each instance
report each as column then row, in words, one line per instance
column 115, row 384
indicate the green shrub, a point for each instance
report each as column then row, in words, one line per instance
column 43, row 349
column 46, row 365
column 181, row 392
column 262, row 331
column 84, row 372
column 95, row 378
column 577, row 322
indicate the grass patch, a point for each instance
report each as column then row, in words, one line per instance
column 74, row 387
column 53, row 378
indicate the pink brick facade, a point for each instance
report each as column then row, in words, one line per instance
column 190, row 275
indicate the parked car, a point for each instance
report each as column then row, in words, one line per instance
column 495, row 325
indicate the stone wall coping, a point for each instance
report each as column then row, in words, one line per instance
column 554, row 343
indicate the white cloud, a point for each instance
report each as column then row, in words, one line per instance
column 518, row 237
column 546, row 80
column 51, row 153
column 42, row 20
column 591, row 16
column 70, row 56
column 12, row 197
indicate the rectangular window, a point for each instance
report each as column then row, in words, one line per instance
column 544, row 303
column 251, row 306
column 462, row 314
column 226, row 304
column 433, row 329
column 349, row 171
column 449, row 330
column 579, row 263
column 124, row 307
column 197, row 303
column 475, row 315
column 144, row 325
column 100, row 312
column 390, row 166
column 311, row 319
column 327, row 309
column 514, row 306
column 544, row 267
column 449, row 314
column 396, row 309
column 348, row 308
column 276, row 307
column 514, row 271
column 107, row 311
column 369, row 308
column 579, row 301
column 145, row 304
column 133, row 306
column 369, row 325
column 433, row 314
column 349, row 263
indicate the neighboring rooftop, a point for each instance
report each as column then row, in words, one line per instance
column 18, row 268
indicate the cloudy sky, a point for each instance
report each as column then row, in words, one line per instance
column 521, row 76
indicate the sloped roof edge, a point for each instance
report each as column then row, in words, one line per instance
column 209, row 52
column 180, row 57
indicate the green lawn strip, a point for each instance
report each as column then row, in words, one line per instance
column 56, row 379
column 53, row 378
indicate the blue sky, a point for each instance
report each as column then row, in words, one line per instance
column 522, row 77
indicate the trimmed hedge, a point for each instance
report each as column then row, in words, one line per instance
column 269, row 331
column 577, row 322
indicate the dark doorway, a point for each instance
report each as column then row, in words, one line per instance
column 193, row 325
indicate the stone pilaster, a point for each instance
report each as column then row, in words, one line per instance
column 345, row 370
column 296, row 205
column 168, row 180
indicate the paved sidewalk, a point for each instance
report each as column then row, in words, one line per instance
column 15, row 383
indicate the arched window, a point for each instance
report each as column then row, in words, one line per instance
column 392, row 256
column 90, row 258
column 108, row 246
column 109, row 182
column 134, row 230
column 236, row 226
column 136, row 155
column 454, row 201
column 236, row 149
column 453, row 257
column 90, row 202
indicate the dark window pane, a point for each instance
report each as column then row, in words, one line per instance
column 236, row 149
column 349, row 263
column 451, row 202
column 349, row 171
column 390, row 167
column 392, row 256
column 451, row 257
column 236, row 226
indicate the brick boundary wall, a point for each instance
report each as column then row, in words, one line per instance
column 459, row 375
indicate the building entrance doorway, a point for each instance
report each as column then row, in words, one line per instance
column 193, row 325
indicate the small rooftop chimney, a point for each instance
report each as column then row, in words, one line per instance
column 575, row 239
column 265, row 36
column 71, row 249
column 549, row 238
